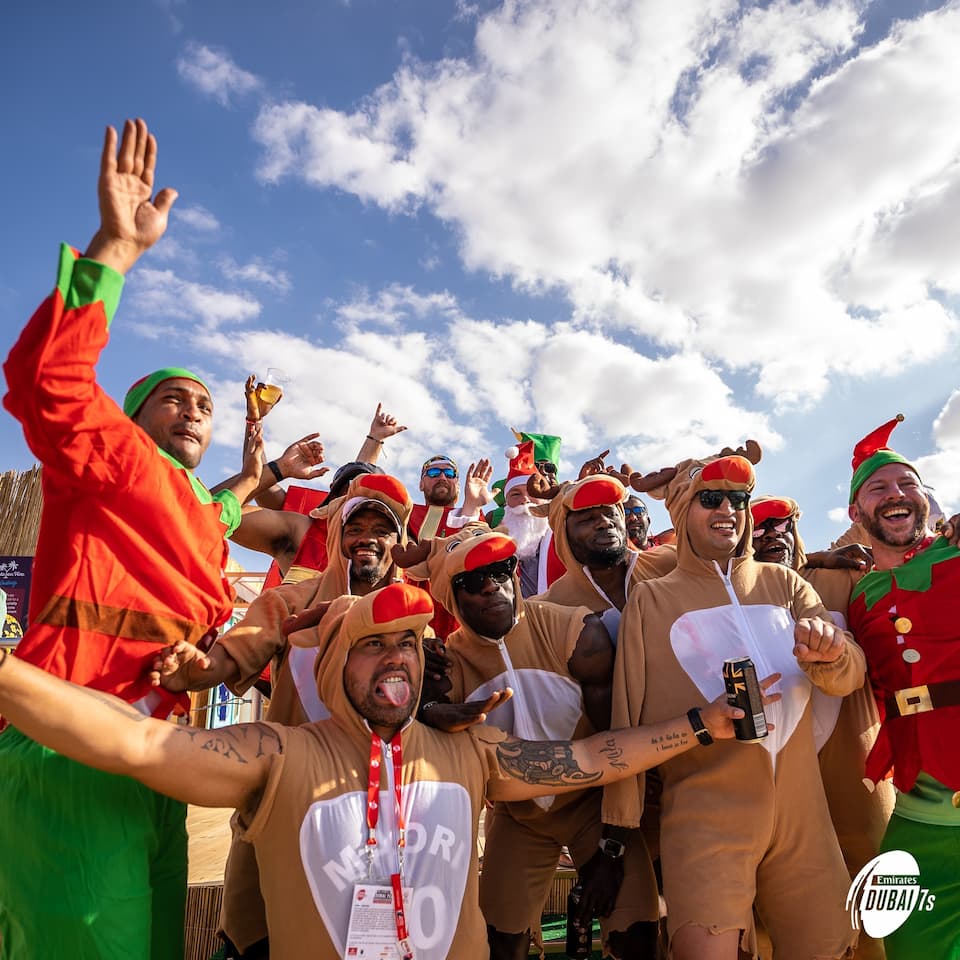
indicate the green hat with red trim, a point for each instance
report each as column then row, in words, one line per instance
column 142, row 389
column 873, row 452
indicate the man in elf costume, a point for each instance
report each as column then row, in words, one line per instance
column 904, row 613
column 367, row 808
column 130, row 556
column 748, row 819
column 558, row 661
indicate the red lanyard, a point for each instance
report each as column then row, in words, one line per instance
column 373, row 789
column 373, row 816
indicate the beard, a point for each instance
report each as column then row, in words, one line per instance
column 525, row 529
column 874, row 524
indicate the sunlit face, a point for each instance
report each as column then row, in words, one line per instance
column 441, row 491
column 892, row 506
column 638, row 522
column 771, row 545
column 178, row 417
column 366, row 540
column 714, row 534
column 517, row 496
column 382, row 679
column 597, row 535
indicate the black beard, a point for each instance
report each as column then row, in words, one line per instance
column 608, row 557
column 368, row 573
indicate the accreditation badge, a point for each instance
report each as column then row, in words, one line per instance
column 376, row 922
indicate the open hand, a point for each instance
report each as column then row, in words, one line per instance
column 454, row 717
column 130, row 222
column 302, row 458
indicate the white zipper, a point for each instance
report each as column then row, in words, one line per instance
column 760, row 662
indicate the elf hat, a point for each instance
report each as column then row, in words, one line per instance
column 521, row 465
column 872, row 453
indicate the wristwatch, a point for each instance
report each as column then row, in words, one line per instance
column 614, row 849
column 699, row 727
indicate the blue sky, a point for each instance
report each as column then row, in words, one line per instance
column 652, row 227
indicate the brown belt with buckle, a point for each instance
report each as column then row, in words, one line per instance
column 929, row 696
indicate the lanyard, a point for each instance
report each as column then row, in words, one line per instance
column 373, row 817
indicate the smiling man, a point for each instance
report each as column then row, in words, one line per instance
column 749, row 819
column 904, row 614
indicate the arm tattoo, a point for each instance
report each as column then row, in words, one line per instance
column 669, row 741
column 542, row 763
column 614, row 754
column 118, row 706
column 230, row 743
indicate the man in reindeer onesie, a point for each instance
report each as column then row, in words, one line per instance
column 741, row 823
column 558, row 661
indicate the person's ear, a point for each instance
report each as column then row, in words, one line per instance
column 853, row 512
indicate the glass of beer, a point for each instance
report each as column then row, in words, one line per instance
column 270, row 389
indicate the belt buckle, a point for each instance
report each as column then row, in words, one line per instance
column 912, row 700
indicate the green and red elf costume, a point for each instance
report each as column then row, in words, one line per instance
column 907, row 620
column 130, row 557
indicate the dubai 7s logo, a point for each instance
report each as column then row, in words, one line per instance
column 885, row 892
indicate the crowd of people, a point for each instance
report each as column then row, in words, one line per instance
column 546, row 663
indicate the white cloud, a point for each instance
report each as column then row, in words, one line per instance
column 256, row 271
column 160, row 294
column 941, row 469
column 215, row 74
column 747, row 187
column 197, row 218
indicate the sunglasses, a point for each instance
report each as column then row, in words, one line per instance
column 473, row 582
column 711, row 499
column 434, row 472
column 773, row 526
column 547, row 467
column 640, row 511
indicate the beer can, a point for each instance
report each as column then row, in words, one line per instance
column 743, row 691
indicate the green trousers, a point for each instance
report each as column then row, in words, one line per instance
column 93, row 866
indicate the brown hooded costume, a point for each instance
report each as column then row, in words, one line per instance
column 524, row 839
column 740, row 822
column 257, row 640
column 577, row 587
column 310, row 829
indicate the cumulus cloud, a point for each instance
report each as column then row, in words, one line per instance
column 256, row 271
column 197, row 218
column 214, row 74
column 941, row 469
column 747, row 189
column 157, row 296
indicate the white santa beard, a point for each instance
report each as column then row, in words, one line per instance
column 526, row 530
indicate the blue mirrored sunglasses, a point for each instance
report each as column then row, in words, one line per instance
column 434, row 472
column 640, row 511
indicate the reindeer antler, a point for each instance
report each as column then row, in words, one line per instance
column 542, row 487
column 751, row 451
column 411, row 554
column 645, row 483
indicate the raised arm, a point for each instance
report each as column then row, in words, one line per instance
column 382, row 426
column 212, row 768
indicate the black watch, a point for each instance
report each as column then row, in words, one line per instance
column 699, row 727
column 614, row 849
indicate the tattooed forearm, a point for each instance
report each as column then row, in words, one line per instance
column 670, row 741
column 240, row 743
column 614, row 754
column 546, row 764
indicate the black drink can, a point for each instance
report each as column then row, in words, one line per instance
column 743, row 691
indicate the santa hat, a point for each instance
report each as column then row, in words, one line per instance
column 522, row 465
column 873, row 452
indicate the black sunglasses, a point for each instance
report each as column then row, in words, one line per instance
column 711, row 499
column 474, row 580
column 547, row 467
